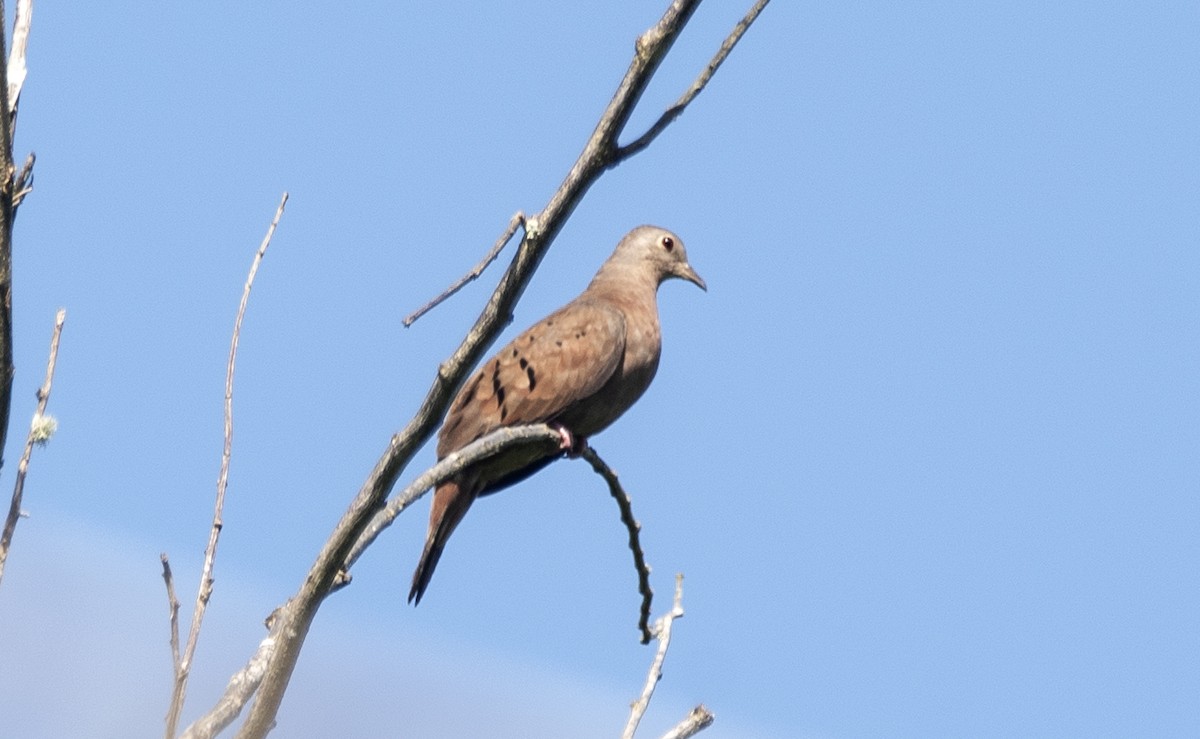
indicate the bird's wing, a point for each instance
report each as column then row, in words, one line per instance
column 560, row 360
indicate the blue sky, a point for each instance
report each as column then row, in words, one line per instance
column 926, row 451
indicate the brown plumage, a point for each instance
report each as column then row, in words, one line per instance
column 579, row 368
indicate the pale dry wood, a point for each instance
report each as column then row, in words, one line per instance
column 294, row 618
column 242, row 686
column 17, row 70
column 500, row 440
column 662, row 632
column 172, row 607
column 183, row 662
column 34, row 438
column 698, row 720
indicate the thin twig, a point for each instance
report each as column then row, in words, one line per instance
column 518, row 219
column 173, row 608
column 662, row 632
column 698, row 720
column 294, row 619
column 635, row 545
column 677, row 108
column 184, row 663
column 39, row 433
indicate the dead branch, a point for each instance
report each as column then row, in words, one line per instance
column 677, row 108
column 601, row 152
column 662, row 631
column 183, row 663
column 625, row 504
column 8, row 113
column 243, row 684
column 172, row 608
column 40, row 431
column 483, row 448
column 17, row 71
column 698, row 720
column 518, row 219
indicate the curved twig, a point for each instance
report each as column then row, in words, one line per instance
column 625, row 504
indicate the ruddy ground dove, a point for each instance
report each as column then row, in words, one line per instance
column 578, row 369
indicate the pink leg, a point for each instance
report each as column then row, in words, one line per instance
column 569, row 443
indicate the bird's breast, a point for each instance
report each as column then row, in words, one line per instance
column 643, row 347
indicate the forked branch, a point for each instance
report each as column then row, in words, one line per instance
column 40, row 430
column 700, row 717
column 183, row 662
column 292, row 620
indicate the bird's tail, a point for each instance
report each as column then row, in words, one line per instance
column 450, row 503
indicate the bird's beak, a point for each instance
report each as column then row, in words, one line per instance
column 685, row 272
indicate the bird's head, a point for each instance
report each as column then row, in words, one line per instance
column 662, row 251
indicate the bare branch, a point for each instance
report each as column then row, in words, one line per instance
column 477, row 451
column 294, row 619
column 183, row 664
column 243, row 684
column 662, row 631
column 676, row 109
column 518, row 219
column 16, row 60
column 237, row 693
column 698, row 720
column 40, row 430
column 635, row 544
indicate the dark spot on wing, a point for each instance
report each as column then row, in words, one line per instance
column 532, row 379
column 468, row 394
column 524, row 362
column 497, row 389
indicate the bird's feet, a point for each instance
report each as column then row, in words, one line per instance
column 570, row 443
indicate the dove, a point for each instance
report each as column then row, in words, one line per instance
column 577, row 369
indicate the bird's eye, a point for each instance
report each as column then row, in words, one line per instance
column 668, row 243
